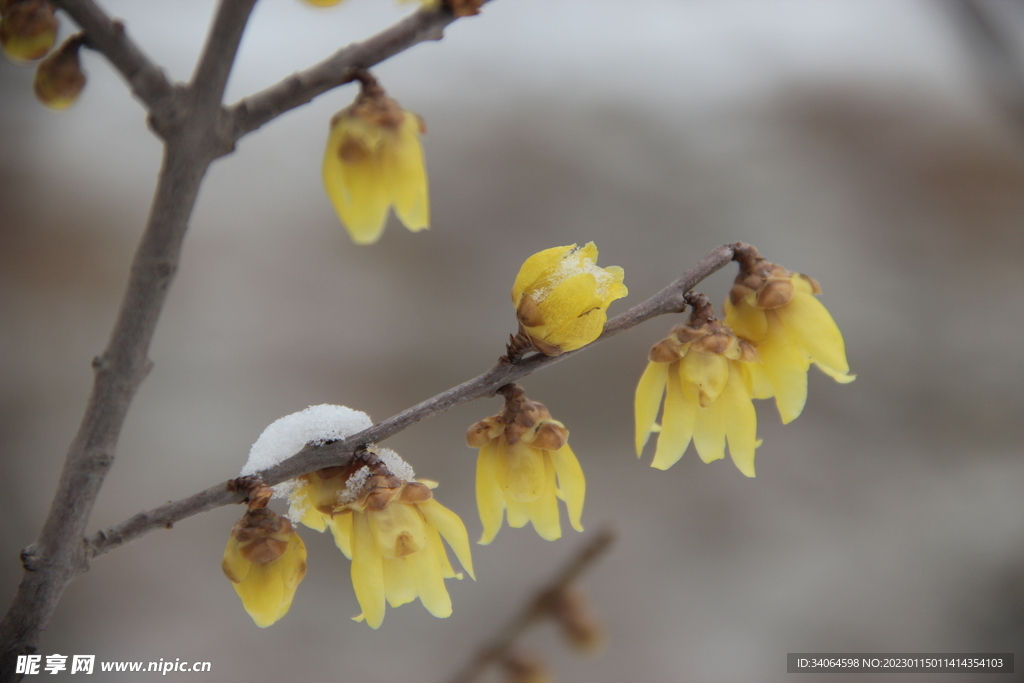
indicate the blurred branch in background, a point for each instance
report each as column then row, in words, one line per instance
column 544, row 604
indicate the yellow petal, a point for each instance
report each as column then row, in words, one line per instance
column 544, row 510
column 534, row 267
column 406, row 175
column 649, row 392
column 398, row 529
column 677, row 423
column 490, row 501
column 367, row 571
column 426, row 571
column 571, row 483
column 576, row 332
column 612, row 289
column 399, row 585
column 741, row 420
column 756, row 379
column 356, row 188
column 262, row 593
column 810, row 325
column 840, row 377
column 746, row 321
column 447, row 571
column 451, row 529
column 709, row 431
column 520, row 472
column 518, row 513
column 341, row 528
column 311, row 517
column 295, row 558
column 786, row 365
column 234, row 565
column 708, row 372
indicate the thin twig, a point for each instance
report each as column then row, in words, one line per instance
column 338, row 69
column 108, row 37
column 669, row 300
column 498, row 648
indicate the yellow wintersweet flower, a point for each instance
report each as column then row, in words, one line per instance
column 562, row 296
column 265, row 560
column 522, row 453
column 706, row 375
column 374, row 161
column 777, row 311
column 391, row 528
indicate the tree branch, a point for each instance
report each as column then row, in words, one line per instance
column 536, row 609
column 252, row 112
column 108, row 37
column 310, row 458
column 218, row 56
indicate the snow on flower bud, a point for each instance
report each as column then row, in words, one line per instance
column 28, row 30
column 265, row 560
column 707, row 376
column 391, row 528
column 59, row 78
column 778, row 311
column 562, row 297
column 374, row 161
column 524, row 466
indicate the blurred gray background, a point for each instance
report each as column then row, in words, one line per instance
column 876, row 146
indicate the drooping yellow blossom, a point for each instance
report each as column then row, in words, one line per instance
column 777, row 311
column 391, row 528
column 265, row 560
column 522, row 453
column 28, row 29
column 562, row 296
column 706, row 374
column 374, row 161
column 59, row 78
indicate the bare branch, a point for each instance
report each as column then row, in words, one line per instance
column 300, row 88
column 669, row 300
column 146, row 79
column 536, row 609
column 214, row 65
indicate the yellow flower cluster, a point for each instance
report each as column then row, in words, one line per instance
column 702, row 370
column 374, row 161
column 710, row 372
column 561, row 297
column 391, row 528
column 524, row 466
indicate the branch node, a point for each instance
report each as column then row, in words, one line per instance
column 30, row 558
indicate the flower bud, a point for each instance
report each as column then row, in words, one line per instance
column 59, row 77
column 28, row 30
column 561, row 297
column 265, row 560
